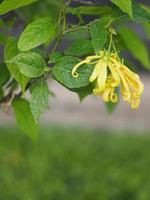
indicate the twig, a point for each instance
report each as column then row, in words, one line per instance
column 83, row 2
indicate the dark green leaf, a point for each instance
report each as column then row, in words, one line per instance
column 10, row 52
column 1, row 92
column 29, row 64
column 39, row 98
column 140, row 14
column 36, row 33
column 98, row 35
column 83, row 92
column 62, row 72
column 4, row 73
column 80, row 48
column 3, row 38
column 9, row 5
column 54, row 57
column 24, row 117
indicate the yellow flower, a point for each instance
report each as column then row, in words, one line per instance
column 100, row 71
column 109, row 72
column 108, row 94
column 132, row 87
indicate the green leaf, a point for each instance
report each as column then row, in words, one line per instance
column 4, row 73
column 1, row 93
column 62, row 72
column 98, row 35
column 54, row 57
column 29, row 64
column 80, row 48
column 9, row 5
column 124, row 5
column 3, row 38
column 111, row 107
column 39, row 98
column 24, row 117
column 90, row 10
column 83, row 92
column 140, row 15
column 36, row 33
column 135, row 45
column 9, row 52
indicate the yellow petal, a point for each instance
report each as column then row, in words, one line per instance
column 74, row 70
column 135, row 83
column 96, row 91
column 86, row 61
column 135, row 102
column 106, row 94
column 98, row 70
column 125, row 87
column 102, row 77
column 113, row 96
column 115, row 74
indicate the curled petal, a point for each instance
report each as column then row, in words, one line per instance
column 86, row 61
column 113, row 96
column 74, row 70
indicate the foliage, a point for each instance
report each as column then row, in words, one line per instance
column 34, row 56
column 65, row 165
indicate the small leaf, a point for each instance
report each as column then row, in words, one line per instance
column 54, row 57
column 80, row 48
column 98, row 35
column 90, row 10
column 36, row 33
column 4, row 73
column 83, row 92
column 9, row 52
column 24, row 117
column 124, row 5
column 29, row 64
column 39, row 98
column 9, row 5
column 111, row 107
column 135, row 45
column 62, row 72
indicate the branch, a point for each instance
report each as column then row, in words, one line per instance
column 83, row 2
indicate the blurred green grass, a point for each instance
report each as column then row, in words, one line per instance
column 74, row 163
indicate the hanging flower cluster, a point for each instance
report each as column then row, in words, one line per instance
column 110, row 73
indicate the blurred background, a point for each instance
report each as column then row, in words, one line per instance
column 82, row 152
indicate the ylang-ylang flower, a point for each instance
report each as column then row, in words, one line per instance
column 110, row 73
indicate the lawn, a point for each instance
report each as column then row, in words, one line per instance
column 74, row 164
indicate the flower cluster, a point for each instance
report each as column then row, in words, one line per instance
column 109, row 73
